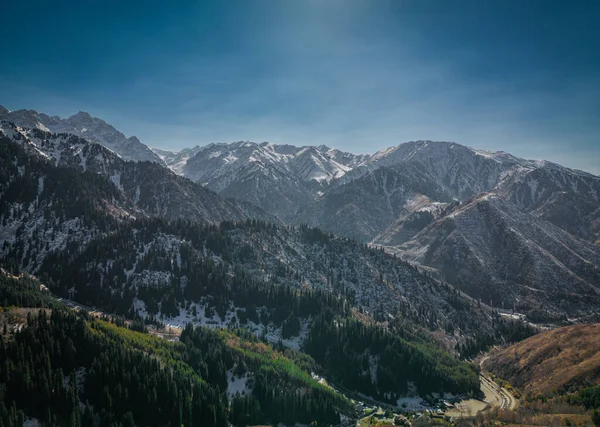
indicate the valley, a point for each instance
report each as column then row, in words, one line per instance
column 323, row 213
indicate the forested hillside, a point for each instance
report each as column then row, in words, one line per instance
column 186, row 271
column 45, row 208
column 64, row 368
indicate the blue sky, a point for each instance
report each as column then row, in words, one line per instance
column 360, row 75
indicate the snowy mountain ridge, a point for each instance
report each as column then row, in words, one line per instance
column 326, row 187
column 149, row 187
column 461, row 171
column 85, row 126
column 305, row 163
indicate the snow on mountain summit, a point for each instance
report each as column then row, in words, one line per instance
column 310, row 163
column 215, row 161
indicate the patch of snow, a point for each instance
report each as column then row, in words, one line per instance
column 236, row 385
column 373, row 362
column 116, row 179
column 412, row 404
column 40, row 185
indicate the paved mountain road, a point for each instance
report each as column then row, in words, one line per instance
column 508, row 401
column 495, row 397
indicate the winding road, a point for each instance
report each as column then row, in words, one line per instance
column 495, row 397
column 508, row 401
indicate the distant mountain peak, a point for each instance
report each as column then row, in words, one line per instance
column 81, row 115
column 84, row 125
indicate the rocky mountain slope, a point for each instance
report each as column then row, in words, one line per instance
column 421, row 211
column 278, row 178
column 176, row 161
column 492, row 250
column 567, row 198
column 366, row 206
column 321, row 186
column 85, row 126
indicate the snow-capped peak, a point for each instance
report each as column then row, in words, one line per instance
column 306, row 163
column 85, row 126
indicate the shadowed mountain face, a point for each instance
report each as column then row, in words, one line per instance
column 569, row 199
column 494, row 251
column 366, row 206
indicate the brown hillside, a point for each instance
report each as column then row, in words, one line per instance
column 550, row 362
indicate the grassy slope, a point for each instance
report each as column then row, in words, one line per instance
column 552, row 362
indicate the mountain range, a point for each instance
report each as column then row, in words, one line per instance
column 62, row 194
column 313, row 184
column 515, row 233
